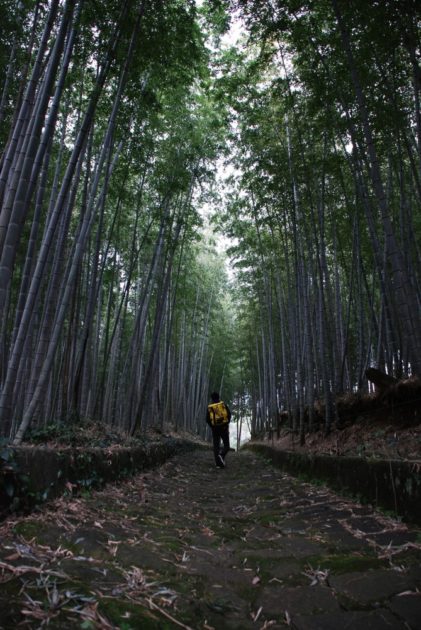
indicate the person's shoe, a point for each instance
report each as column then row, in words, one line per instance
column 221, row 462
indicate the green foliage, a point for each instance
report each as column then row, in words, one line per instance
column 56, row 432
column 300, row 206
column 300, row 202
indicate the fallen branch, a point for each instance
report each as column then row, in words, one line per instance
column 28, row 569
column 170, row 617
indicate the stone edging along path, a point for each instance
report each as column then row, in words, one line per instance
column 388, row 484
column 32, row 475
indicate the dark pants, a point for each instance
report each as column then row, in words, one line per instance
column 220, row 433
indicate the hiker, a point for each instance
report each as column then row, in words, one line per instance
column 218, row 417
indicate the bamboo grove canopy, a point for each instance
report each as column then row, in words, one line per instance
column 124, row 126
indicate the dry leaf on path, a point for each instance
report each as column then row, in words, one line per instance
column 255, row 616
column 208, row 532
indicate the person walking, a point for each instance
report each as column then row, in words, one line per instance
column 218, row 418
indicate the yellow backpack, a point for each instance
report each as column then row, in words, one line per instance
column 218, row 413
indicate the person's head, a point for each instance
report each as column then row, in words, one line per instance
column 215, row 396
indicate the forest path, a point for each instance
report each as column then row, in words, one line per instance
column 189, row 545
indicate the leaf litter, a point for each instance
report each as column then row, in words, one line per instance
column 195, row 533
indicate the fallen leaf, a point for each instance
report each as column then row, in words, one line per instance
column 14, row 556
column 207, row 532
column 166, row 614
column 275, row 580
column 255, row 616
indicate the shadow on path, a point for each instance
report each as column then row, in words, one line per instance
column 192, row 546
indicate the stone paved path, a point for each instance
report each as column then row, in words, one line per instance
column 191, row 546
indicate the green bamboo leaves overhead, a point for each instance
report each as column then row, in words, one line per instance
column 115, row 119
column 326, row 203
column 107, row 131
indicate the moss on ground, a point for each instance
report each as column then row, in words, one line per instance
column 202, row 552
column 29, row 529
column 128, row 616
column 339, row 564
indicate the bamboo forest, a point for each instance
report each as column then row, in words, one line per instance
column 206, row 195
